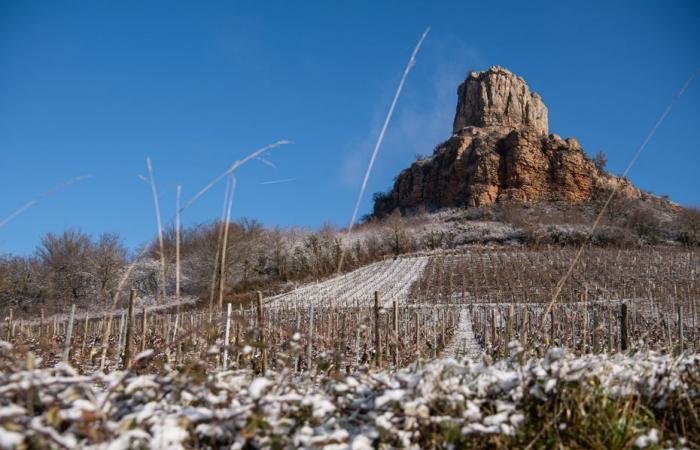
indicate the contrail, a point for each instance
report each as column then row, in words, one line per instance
column 285, row 180
column 409, row 66
column 42, row 196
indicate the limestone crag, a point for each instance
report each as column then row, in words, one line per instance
column 500, row 150
column 496, row 97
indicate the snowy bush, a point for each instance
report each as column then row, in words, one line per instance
column 638, row 399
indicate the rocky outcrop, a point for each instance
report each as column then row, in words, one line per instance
column 500, row 150
column 496, row 97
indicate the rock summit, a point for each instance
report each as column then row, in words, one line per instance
column 500, row 150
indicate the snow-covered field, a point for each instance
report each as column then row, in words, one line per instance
column 392, row 278
column 445, row 401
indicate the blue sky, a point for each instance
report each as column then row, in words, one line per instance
column 94, row 87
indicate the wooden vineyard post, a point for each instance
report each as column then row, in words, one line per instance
column 509, row 325
column 85, row 336
column 9, row 327
column 261, row 330
column 238, row 333
column 69, row 334
column 340, row 356
column 417, row 333
column 623, row 327
column 226, row 335
column 553, row 327
column 377, row 336
column 396, row 334
column 434, row 316
column 523, row 330
column 176, row 329
column 493, row 329
column 594, row 332
column 610, row 333
column 309, row 346
column 41, row 325
column 679, row 309
column 387, row 338
column 131, row 318
column 296, row 358
column 573, row 334
column 443, row 339
column 669, row 340
column 144, row 328
column 694, row 315
column 121, row 333
column 30, row 392
column 584, row 347
column 105, row 342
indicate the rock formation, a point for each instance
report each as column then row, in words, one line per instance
column 499, row 150
column 496, row 97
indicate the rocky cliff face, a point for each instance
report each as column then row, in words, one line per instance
column 496, row 97
column 499, row 150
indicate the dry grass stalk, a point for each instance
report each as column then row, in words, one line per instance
column 224, row 243
column 380, row 139
column 602, row 211
column 41, row 196
column 156, row 204
column 178, row 191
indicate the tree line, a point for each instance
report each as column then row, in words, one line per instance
column 74, row 267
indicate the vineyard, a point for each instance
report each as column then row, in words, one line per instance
column 377, row 328
column 394, row 312
column 614, row 299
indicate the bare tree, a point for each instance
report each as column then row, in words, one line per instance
column 22, row 280
column 67, row 259
column 600, row 161
column 396, row 233
column 689, row 221
column 107, row 260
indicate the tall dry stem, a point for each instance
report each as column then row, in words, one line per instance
column 380, row 139
column 178, row 191
column 40, row 197
column 158, row 222
column 596, row 222
column 224, row 243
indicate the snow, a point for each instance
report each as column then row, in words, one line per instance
column 10, row 439
column 168, row 434
column 239, row 409
column 257, row 387
column 463, row 342
column 10, row 411
column 645, row 440
column 393, row 278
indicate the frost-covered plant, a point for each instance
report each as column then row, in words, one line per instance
column 595, row 401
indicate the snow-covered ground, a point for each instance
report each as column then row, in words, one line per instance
column 391, row 278
column 463, row 343
column 239, row 409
